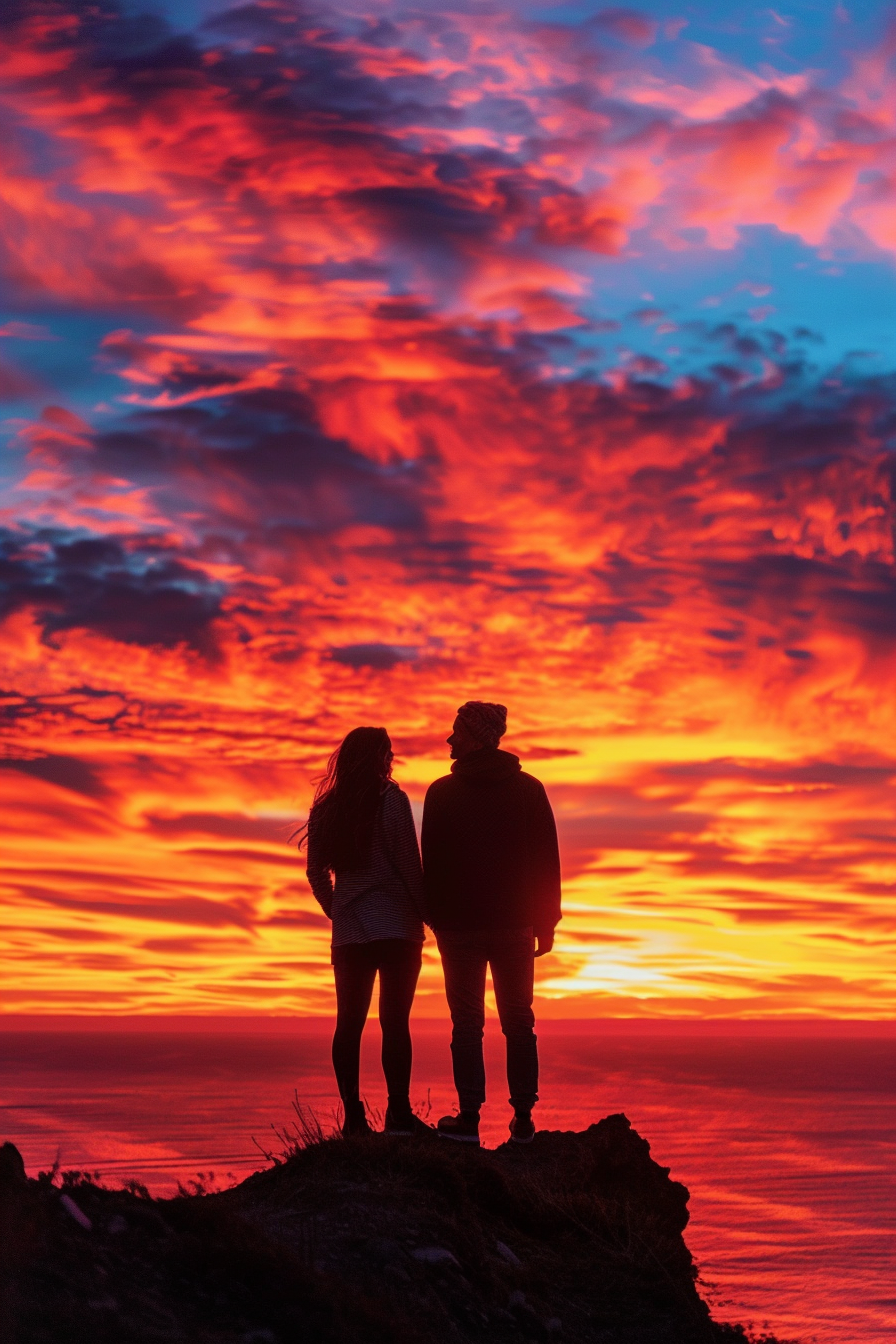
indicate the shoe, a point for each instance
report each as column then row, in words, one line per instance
column 406, row 1125
column 464, row 1128
column 355, row 1120
column 522, row 1128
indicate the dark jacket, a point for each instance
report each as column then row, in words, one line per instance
column 490, row 857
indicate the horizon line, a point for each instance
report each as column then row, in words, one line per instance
column 254, row 1022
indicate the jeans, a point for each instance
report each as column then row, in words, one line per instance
column 511, row 955
column 355, row 967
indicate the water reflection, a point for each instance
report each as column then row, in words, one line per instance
column 786, row 1144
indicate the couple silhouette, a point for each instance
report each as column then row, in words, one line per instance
column 488, row 887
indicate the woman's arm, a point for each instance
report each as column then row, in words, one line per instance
column 319, row 876
column 401, row 841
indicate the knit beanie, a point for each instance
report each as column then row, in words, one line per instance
column 487, row 722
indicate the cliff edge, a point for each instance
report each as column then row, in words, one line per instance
column 575, row 1239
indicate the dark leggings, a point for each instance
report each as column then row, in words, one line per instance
column 355, row 967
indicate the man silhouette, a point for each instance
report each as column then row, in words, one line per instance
column 491, row 871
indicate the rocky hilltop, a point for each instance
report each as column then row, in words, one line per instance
column 575, row 1239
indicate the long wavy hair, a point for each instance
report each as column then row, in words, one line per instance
column 348, row 796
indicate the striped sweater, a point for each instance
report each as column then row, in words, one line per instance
column 383, row 897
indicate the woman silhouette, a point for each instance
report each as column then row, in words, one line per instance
column 361, row 833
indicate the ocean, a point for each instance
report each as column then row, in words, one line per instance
column 784, row 1134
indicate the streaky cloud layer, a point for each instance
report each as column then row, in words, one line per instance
column 318, row 414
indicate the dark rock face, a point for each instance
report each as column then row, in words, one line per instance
column 388, row 1241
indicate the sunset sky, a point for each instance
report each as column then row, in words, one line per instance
column 359, row 361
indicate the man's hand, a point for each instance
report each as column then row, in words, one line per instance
column 543, row 943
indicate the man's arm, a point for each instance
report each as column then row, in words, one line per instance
column 432, row 849
column 545, row 851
